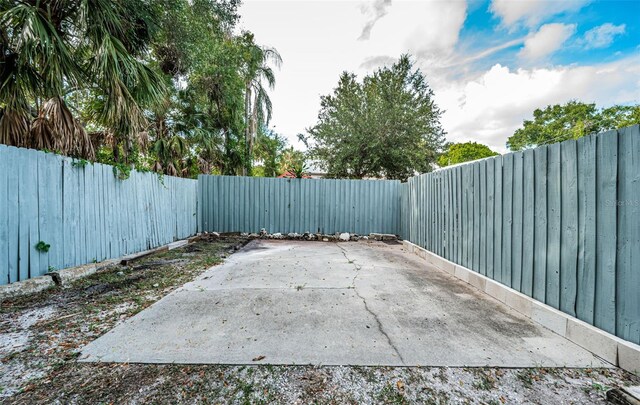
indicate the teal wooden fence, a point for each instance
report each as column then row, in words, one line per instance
column 83, row 212
column 247, row 204
column 559, row 223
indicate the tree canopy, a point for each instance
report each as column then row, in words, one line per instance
column 572, row 120
column 167, row 85
column 464, row 152
column 386, row 125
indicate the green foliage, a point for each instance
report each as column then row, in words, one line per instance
column 387, row 125
column 269, row 149
column 79, row 163
column 292, row 161
column 42, row 247
column 168, row 86
column 53, row 51
column 464, row 152
column 122, row 171
column 557, row 123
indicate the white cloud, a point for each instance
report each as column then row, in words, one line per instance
column 376, row 10
column 547, row 40
column 532, row 12
column 602, row 36
column 491, row 107
column 319, row 39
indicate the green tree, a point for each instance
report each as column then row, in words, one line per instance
column 464, row 152
column 387, row 126
column 53, row 51
column 572, row 120
column 269, row 150
column 256, row 72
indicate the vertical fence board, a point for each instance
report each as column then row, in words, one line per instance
column 540, row 223
column 497, row 240
column 4, row 216
column 476, row 215
column 586, row 288
column 569, row 227
column 517, row 224
column 528, row 221
column 628, row 241
column 554, row 226
column 606, row 230
column 483, row 217
column 490, row 169
column 507, row 219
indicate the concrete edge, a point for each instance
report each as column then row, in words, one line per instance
column 65, row 276
column 30, row 286
column 611, row 348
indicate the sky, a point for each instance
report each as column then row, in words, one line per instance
column 490, row 63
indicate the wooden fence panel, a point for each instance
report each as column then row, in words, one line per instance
column 558, row 223
column 83, row 212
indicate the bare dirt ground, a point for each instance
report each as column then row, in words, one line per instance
column 41, row 336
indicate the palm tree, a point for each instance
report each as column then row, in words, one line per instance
column 53, row 49
column 258, row 107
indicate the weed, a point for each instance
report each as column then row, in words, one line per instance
column 527, row 376
column 121, row 171
column 486, row 381
column 390, row 395
column 42, row 247
column 81, row 163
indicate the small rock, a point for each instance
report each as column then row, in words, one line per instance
column 223, row 256
column 345, row 236
column 365, row 238
column 120, row 273
column 244, row 234
column 156, row 285
column 325, row 239
column 253, row 236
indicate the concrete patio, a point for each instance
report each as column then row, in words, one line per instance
column 355, row 303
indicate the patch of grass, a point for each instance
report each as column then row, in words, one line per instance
column 390, row 395
column 527, row 376
column 486, row 381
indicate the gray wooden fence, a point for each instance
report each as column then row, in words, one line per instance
column 559, row 223
column 247, row 204
column 83, row 212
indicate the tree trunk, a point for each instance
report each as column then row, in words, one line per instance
column 247, row 131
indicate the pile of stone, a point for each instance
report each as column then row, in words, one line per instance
column 337, row 237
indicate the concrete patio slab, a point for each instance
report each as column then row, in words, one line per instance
column 364, row 303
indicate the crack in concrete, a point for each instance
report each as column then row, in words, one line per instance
column 366, row 306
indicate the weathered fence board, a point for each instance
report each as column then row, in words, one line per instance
column 628, row 263
column 83, row 212
column 558, row 223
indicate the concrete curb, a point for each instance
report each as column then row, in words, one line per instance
column 66, row 276
column 70, row 274
column 611, row 348
column 30, row 286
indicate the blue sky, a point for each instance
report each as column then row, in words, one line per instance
column 482, row 27
column 490, row 62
